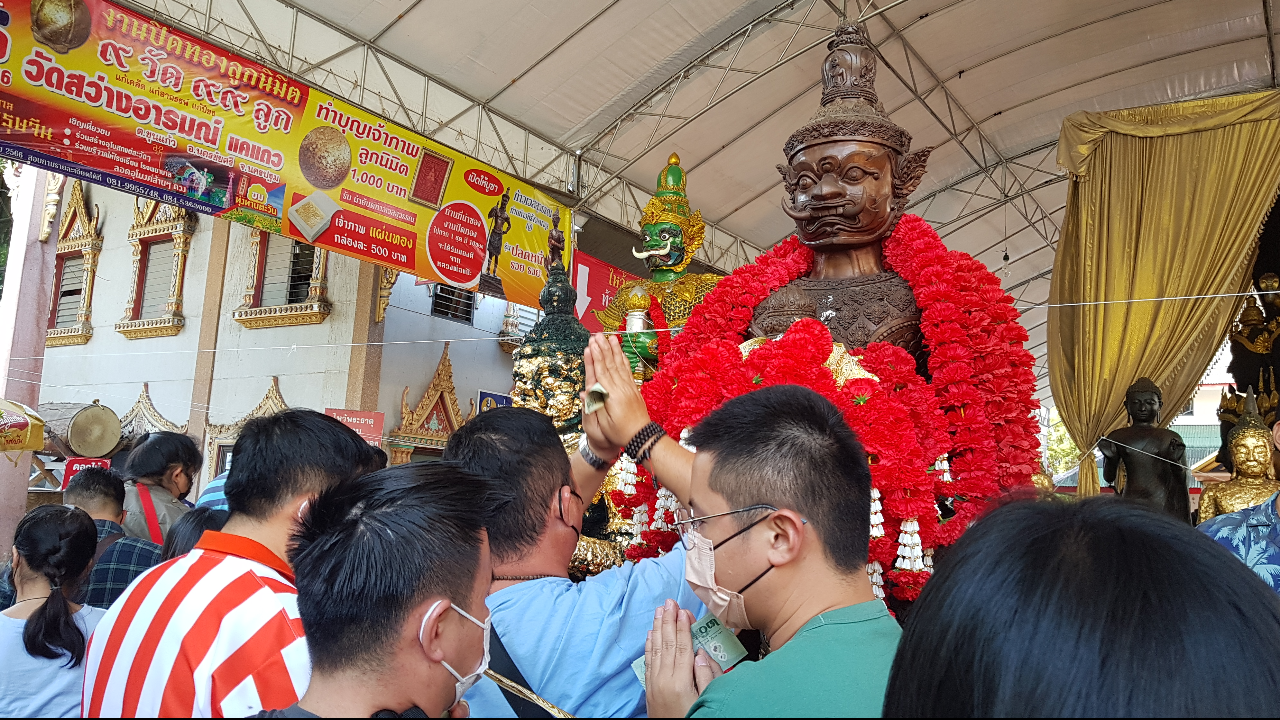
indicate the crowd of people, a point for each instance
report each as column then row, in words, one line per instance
column 313, row 581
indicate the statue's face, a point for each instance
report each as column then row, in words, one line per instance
column 1251, row 455
column 842, row 193
column 1143, row 407
column 663, row 246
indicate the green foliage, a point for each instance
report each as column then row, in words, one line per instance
column 6, row 226
column 1063, row 453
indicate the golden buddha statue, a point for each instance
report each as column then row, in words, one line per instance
column 1253, row 477
column 672, row 235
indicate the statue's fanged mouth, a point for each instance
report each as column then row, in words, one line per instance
column 665, row 250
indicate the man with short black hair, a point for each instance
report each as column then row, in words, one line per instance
column 216, row 631
column 571, row 643
column 393, row 568
column 119, row 559
column 777, row 535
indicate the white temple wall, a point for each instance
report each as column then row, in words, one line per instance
column 478, row 362
column 311, row 361
column 111, row 367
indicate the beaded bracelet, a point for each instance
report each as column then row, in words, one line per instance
column 637, row 443
column 644, row 454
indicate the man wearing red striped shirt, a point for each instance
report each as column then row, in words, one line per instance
column 216, row 632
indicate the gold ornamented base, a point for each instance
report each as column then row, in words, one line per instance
column 283, row 315
column 155, row 327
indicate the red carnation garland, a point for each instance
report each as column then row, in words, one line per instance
column 976, row 411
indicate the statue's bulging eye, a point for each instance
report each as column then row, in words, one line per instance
column 805, row 182
column 854, row 174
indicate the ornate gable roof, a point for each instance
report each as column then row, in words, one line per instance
column 436, row 415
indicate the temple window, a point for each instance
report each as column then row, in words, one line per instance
column 453, row 303
column 79, row 246
column 287, row 286
column 161, row 239
column 70, row 290
column 157, row 274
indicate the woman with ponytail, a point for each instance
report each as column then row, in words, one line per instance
column 43, row 636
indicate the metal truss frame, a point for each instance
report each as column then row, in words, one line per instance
column 923, row 83
column 378, row 81
column 721, row 249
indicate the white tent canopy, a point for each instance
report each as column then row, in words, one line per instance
column 591, row 96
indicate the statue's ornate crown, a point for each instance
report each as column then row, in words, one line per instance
column 850, row 107
column 671, row 204
column 1251, row 423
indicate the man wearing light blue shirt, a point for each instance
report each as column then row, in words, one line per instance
column 573, row 643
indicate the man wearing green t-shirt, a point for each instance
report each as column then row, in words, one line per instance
column 777, row 532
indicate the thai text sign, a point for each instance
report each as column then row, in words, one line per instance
column 597, row 283
column 76, row 464
column 115, row 98
column 367, row 424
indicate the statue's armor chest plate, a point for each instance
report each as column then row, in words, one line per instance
column 677, row 297
column 680, row 296
column 873, row 308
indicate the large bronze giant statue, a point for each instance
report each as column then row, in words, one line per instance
column 1144, row 461
column 1253, row 478
column 672, row 235
column 868, row 272
column 849, row 175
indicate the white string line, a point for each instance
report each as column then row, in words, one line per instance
column 294, row 348
column 190, row 406
column 1142, row 300
column 497, row 338
column 208, row 407
column 1144, row 452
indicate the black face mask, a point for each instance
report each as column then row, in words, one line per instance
column 560, row 502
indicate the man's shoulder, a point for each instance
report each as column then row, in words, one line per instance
column 137, row 547
column 1232, row 528
column 768, row 688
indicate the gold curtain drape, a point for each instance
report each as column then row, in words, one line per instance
column 1164, row 202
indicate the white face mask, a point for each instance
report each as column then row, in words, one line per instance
column 463, row 684
column 700, row 573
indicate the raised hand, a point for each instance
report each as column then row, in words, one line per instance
column 624, row 413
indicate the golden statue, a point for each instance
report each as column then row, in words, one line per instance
column 672, row 235
column 1253, row 478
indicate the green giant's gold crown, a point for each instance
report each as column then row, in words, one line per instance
column 671, row 204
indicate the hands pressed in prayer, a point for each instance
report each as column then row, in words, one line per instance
column 624, row 413
column 674, row 675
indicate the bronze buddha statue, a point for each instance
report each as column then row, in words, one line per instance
column 1253, row 477
column 1144, row 461
column 849, row 172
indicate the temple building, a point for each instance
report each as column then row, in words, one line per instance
column 196, row 323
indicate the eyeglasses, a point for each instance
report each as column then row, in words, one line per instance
column 685, row 521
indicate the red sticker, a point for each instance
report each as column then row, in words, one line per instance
column 483, row 182
column 456, row 243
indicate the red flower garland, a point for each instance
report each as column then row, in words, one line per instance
column 976, row 411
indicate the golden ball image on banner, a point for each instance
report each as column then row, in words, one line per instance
column 63, row 25
column 325, row 157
